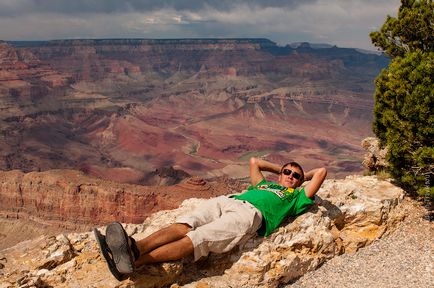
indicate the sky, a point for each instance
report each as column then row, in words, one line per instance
column 345, row 23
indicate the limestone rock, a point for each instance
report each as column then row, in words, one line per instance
column 348, row 214
column 375, row 157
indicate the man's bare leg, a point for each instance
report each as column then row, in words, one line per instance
column 163, row 236
column 167, row 244
column 172, row 251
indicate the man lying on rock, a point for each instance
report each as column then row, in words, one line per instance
column 220, row 223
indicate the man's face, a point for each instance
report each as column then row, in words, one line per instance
column 289, row 180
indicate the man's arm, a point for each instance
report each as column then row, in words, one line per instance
column 257, row 166
column 316, row 177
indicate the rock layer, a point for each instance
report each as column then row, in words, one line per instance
column 69, row 199
column 348, row 214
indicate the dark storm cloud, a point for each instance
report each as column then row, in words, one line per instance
column 21, row 7
column 345, row 23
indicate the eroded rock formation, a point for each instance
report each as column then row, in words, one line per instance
column 122, row 108
column 25, row 81
column 348, row 214
column 70, row 199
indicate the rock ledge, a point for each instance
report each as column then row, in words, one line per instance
column 348, row 214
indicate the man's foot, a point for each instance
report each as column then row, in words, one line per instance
column 106, row 253
column 117, row 241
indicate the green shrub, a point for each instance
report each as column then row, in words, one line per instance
column 404, row 100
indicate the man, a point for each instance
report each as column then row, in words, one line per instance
column 220, row 223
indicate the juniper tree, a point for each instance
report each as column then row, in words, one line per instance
column 404, row 100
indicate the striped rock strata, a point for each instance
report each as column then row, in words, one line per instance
column 71, row 199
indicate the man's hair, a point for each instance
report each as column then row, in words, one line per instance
column 294, row 164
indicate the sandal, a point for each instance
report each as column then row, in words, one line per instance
column 117, row 241
column 106, row 253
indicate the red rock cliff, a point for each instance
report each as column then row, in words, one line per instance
column 68, row 198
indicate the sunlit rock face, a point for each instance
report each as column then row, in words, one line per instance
column 70, row 199
column 375, row 156
column 121, row 109
column 347, row 214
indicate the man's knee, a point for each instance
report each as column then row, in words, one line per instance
column 181, row 228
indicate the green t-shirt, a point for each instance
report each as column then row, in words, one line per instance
column 275, row 203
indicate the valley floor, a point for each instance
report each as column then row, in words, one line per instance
column 405, row 258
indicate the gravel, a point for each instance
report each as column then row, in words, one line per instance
column 404, row 258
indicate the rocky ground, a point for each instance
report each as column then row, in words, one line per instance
column 349, row 214
column 402, row 259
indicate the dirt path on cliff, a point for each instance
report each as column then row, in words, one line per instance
column 404, row 258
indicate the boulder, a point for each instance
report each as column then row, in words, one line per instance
column 375, row 157
column 347, row 214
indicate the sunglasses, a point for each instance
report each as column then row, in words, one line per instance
column 288, row 172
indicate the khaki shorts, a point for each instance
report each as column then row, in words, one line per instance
column 220, row 224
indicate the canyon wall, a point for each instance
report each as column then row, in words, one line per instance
column 31, row 71
column 70, row 199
